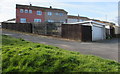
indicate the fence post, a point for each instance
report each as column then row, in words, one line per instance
column 45, row 28
column 32, row 27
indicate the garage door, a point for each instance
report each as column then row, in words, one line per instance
column 97, row 33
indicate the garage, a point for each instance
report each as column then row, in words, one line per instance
column 84, row 31
column 77, row 31
column 97, row 33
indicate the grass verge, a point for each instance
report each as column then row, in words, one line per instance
column 19, row 55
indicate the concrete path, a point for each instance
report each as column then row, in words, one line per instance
column 106, row 49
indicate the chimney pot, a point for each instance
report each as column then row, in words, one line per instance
column 50, row 6
column 30, row 4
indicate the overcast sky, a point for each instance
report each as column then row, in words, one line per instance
column 97, row 9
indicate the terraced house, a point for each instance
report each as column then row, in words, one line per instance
column 29, row 14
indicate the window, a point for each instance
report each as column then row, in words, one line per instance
column 50, row 20
column 81, row 20
column 61, row 14
column 50, row 13
column 21, row 10
column 22, row 20
column 30, row 11
column 39, row 13
column 62, row 21
column 26, row 11
column 56, row 13
column 37, row 20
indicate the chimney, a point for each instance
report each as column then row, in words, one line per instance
column 50, row 6
column 30, row 4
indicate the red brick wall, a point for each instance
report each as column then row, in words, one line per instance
column 29, row 16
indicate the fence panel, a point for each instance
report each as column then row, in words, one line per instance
column 45, row 28
column 23, row 27
column 52, row 29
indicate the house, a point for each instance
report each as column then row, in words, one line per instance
column 84, row 31
column 73, row 19
column 29, row 14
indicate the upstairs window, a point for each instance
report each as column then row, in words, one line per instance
column 39, row 12
column 61, row 14
column 37, row 20
column 30, row 11
column 57, row 13
column 49, row 13
column 81, row 20
column 21, row 10
column 26, row 11
column 22, row 20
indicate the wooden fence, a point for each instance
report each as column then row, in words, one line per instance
column 52, row 29
column 26, row 27
column 77, row 32
column 71, row 31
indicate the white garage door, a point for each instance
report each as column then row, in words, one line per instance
column 97, row 33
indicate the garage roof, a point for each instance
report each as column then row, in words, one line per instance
column 85, row 22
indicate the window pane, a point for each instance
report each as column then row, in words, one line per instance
column 56, row 13
column 39, row 13
column 23, row 20
column 37, row 20
column 50, row 13
column 50, row 20
column 21, row 11
column 26, row 11
column 61, row 14
column 30, row 11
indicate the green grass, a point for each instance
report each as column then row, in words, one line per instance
column 19, row 55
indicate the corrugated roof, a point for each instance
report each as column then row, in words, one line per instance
column 90, row 21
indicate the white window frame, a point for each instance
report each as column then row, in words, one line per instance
column 49, row 13
column 37, row 20
column 30, row 11
column 39, row 12
column 21, row 10
column 22, row 20
column 26, row 10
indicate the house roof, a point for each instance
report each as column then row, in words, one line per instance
column 36, row 7
column 72, row 16
column 13, row 19
column 106, row 22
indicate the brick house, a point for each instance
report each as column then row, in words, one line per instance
column 29, row 13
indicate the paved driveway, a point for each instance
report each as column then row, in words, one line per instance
column 106, row 49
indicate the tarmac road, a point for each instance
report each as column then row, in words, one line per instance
column 106, row 49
